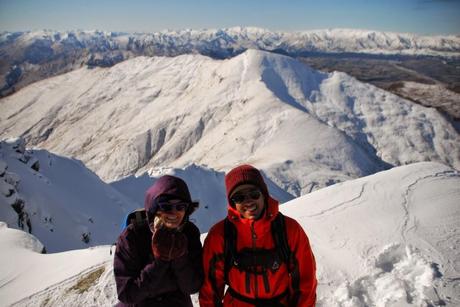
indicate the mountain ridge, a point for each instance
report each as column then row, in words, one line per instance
column 305, row 128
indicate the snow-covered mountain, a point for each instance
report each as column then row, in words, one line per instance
column 390, row 239
column 57, row 199
column 305, row 129
column 231, row 41
column 32, row 56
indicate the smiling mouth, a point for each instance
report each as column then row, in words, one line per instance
column 173, row 219
column 251, row 208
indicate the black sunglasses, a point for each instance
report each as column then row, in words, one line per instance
column 168, row 207
column 239, row 198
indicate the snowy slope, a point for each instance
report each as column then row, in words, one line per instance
column 62, row 203
column 25, row 271
column 304, row 128
column 390, row 239
column 386, row 240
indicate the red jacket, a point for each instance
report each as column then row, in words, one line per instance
column 256, row 234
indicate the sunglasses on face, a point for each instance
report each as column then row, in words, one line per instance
column 168, row 207
column 239, row 198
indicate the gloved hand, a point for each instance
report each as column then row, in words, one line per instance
column 169, row 244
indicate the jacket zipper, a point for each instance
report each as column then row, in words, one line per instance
column 254, row 238
column 171, row 249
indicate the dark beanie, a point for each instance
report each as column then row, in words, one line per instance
column 244, row 174
column 169, row 187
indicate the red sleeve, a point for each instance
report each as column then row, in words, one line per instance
column 212, row 291
column 300, row 245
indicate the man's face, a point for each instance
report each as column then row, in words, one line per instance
column 248, row 201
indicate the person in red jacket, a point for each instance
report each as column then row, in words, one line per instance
column 255, row 276
column 159, row 263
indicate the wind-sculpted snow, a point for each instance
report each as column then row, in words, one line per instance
column 305, row 129
column 390, row 239
column 401, row 277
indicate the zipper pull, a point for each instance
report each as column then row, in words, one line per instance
column 253, row 232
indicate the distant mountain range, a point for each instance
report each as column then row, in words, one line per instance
column 27, row 57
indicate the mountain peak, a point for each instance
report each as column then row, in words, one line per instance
column 258, row 107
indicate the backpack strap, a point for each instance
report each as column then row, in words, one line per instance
column 279, row 233
column 212, row 278
column 137, row 217
column 278, row 228
column 140, row 218
column 229, row 247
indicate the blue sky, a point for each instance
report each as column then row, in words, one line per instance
column 416, row 16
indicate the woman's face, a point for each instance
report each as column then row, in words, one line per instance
column 172, row 213
column 248, row 200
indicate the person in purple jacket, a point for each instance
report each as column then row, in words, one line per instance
column 160, row 264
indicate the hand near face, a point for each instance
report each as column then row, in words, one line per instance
column 169, row 244
column 168, row 241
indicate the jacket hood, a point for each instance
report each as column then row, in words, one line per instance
column 170, row 187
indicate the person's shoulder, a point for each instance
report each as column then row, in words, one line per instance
column 216, row 232
column 214, row 241
column 217, row 228
column 292, row 224
column 191, row 228
column 289, row 220
column 133, row 233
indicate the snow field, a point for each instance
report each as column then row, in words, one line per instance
column 388, row 239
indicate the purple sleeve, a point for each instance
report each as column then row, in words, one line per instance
column 136, row 281
column 188, row 269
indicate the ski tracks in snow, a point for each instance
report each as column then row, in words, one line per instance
column 341, row 205
column 410, row 223
column 399, row 273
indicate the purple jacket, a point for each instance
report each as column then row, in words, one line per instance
column 144, row 281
